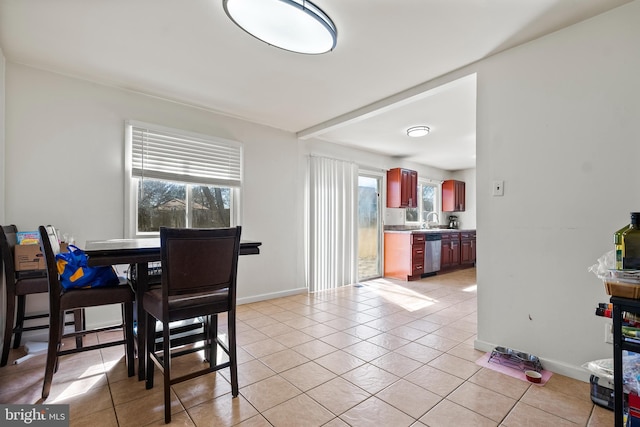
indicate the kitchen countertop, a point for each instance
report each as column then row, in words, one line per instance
column 428, row 230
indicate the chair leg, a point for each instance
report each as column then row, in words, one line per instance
column 213, row 340
column 231, row 324
column 206, row 327
column 55, row 334
column 166, row 362
column 128, row 337
column 78, row 322
column 22, row 300
column 60, row 335
column 8, row 328
column 149, row 348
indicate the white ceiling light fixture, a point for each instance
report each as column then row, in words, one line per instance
column 294, row 25
column 418, row 131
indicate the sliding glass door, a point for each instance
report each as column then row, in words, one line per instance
column 369, row 226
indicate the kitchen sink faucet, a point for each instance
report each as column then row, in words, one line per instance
column 437, row 221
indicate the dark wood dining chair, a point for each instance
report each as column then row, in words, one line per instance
column 61, row 300
column 199, row 269
column 19, row 285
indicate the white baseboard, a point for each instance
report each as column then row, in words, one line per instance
column 273, row 295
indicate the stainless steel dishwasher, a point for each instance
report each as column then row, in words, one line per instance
column 432, row 252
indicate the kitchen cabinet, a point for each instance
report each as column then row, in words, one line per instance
column 402, row 188
column 453, row 196
column 467, row 247
column 458, row 249
column 450, row 255
column 404, row 255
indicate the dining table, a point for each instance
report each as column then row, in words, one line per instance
column 140, row 252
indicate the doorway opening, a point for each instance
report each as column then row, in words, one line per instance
column 369, row 226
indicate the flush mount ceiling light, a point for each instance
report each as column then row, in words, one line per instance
column 418, row 131
column 295, row 25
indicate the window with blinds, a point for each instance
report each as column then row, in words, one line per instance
column 167, row 154
column 180, row 179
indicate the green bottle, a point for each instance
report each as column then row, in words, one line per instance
column 631, row 244
column 617, row 241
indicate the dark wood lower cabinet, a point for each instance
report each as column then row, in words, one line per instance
column 450, row 256
column 445, row 256
column 467, row 248
column 458, row 250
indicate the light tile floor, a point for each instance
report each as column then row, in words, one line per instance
column 382, row 353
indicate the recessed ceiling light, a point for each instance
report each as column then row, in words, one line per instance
column 418, row 131
column 295, row 25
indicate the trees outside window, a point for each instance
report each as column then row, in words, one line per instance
column 165, row 203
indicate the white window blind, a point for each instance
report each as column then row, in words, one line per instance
column 332, row 227
column 172, row 155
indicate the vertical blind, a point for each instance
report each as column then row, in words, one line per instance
column 172, row 155
column 332, row 258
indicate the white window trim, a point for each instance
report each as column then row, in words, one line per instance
column 433, row 183
column 131, row 195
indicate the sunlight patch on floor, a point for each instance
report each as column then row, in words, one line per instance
column 406, row 298
column 472, row 288
column 85, row 382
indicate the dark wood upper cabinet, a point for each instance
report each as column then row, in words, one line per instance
column 453, row 194
column 402, row 188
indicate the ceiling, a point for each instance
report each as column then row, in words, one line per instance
column 358, row 94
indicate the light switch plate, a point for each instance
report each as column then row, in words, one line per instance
column 498, row 188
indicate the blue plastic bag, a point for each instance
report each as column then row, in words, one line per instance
column 75, row 273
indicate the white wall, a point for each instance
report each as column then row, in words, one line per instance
column 3, row 304
column 558, row 122
column 369, row 160
column 2, row 137
column 64, row 166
